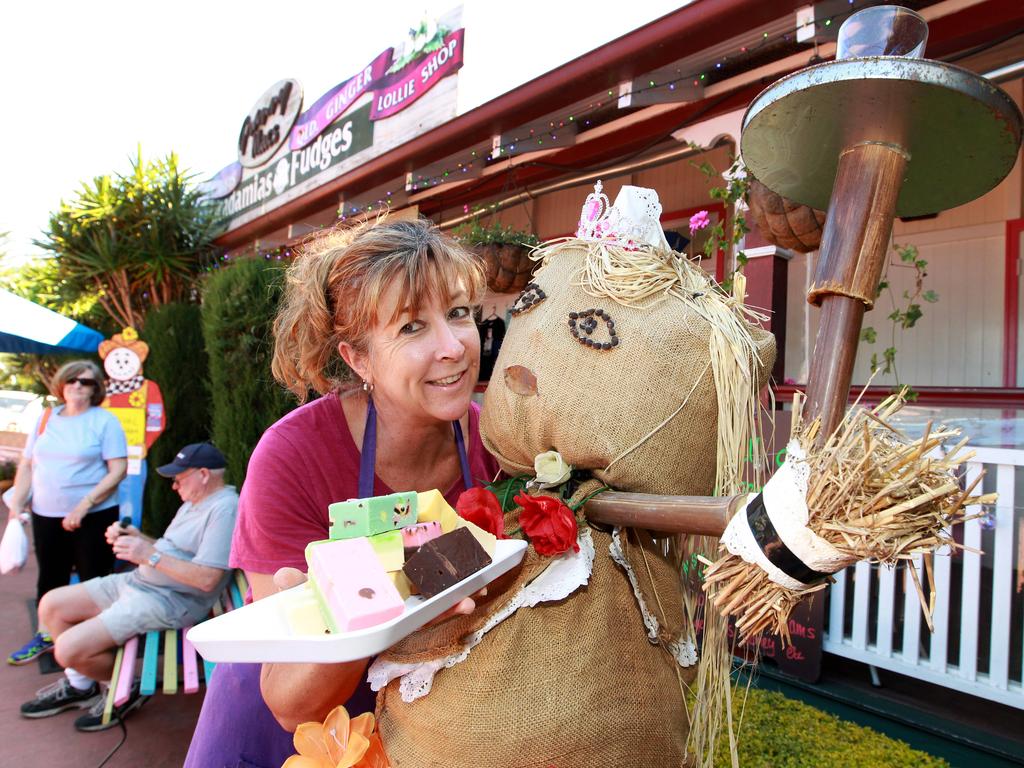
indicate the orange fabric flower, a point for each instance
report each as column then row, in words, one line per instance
column 338, row 742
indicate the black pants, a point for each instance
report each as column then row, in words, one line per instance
column 58, row 551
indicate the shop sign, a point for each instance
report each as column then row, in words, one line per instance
column 339, row 141
column 223, row 184
column 269, row 123
column 340, row 123
column 337, row 101
column 398, row 91
column 394, row 83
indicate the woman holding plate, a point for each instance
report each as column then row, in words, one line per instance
column 378, row 321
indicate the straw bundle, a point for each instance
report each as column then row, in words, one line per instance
column 872, row 494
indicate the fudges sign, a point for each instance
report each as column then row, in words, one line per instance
column 269, row 123
column 348, row 136
column 339, row 124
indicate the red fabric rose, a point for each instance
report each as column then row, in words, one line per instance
column 480, row 507
column 548, row 523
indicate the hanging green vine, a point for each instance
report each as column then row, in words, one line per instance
column 906, row 311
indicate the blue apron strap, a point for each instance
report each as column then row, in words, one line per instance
column 460, row 443
column 368, row 456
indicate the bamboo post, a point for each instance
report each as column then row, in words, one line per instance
column 853, row 249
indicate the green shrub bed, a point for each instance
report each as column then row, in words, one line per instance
column 778, row 732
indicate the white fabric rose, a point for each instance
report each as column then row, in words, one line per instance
column 551, row 469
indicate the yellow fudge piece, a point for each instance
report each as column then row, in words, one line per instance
column 303, row 615
column 432, row 506
column 388, row 548
column 402, row 584
column 486, row 540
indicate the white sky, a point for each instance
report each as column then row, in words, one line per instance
column 84, row 83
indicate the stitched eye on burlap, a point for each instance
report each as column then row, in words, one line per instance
column 531, row 296
column 593, row 328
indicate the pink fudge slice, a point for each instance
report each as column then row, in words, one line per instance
column 358, row 591
column 417, row 535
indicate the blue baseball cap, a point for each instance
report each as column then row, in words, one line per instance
column 196, row 455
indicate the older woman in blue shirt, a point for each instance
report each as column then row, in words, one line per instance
column 72, row 464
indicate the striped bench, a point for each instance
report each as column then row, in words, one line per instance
column 177, row 651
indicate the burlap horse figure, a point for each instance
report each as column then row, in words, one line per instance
column 631, row 363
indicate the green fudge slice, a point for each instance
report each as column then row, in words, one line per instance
column 368, row 517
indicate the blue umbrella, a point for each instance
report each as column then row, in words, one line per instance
column 28, row 327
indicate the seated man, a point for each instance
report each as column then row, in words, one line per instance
column 179, row 577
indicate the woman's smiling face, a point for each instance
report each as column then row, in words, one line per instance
column 424, row 363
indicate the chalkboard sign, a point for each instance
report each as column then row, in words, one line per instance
column 801, row 656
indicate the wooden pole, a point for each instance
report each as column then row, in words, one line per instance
column 853, row 249
column 699, row 515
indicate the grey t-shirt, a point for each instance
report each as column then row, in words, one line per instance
column 199, row 533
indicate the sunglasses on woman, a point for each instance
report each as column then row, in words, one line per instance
column 83, row 382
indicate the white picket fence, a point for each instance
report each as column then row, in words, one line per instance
column 875, row 617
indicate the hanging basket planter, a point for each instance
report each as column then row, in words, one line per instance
column 783, row 222
column 508, row 266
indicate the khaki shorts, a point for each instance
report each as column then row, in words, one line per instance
column 130, row 607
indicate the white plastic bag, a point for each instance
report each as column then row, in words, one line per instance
column 13, row 547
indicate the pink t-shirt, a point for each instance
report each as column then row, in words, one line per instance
column 302, row 463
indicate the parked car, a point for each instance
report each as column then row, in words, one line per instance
column 19, row 411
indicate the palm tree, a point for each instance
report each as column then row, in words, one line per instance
column 136, row 241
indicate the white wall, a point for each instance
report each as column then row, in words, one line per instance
column 958, row 341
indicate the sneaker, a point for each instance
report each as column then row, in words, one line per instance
column 57, row 697
column 93, row 720
column 40, row 643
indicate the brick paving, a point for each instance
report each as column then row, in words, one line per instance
column 158, row 733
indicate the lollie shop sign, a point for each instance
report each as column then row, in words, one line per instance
column 394, row 82
column 396, row 92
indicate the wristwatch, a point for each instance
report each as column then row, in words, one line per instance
column 154, row 559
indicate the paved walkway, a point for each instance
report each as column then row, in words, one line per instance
column 158, row 733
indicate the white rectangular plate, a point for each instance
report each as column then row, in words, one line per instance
column 260, row 632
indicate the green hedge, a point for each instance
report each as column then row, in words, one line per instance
column 177, row 362
column 777, row 732
column 239, row 303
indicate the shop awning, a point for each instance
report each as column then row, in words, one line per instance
column 28, row 327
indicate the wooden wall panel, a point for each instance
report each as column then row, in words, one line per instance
column 958, row 341
column 680, row 184
column 558, row 213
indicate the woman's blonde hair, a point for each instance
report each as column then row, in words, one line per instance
column 335, row 286
column 76, row 368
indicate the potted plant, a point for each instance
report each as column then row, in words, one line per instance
column 505, row 252
column 784, row 222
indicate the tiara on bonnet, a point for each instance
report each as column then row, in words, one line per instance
column 633, row 222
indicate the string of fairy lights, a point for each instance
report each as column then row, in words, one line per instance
column 580, row 119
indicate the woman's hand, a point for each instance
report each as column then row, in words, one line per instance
column 73, row 520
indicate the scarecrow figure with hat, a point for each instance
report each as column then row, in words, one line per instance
column 138, row 405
